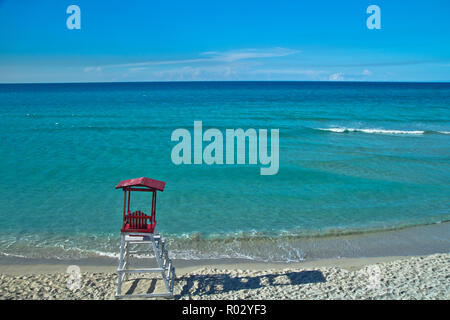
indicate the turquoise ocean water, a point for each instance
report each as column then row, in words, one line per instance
column 354, row 157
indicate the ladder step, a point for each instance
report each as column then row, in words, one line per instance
column 145, row 253
column 143, row 242
column 140, row 270
column 143, row 235
column 146, row 256
column 144, row 295
column 139, row 242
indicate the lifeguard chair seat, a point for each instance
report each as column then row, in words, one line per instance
column 138, row 221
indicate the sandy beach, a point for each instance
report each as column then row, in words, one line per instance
column 419, row 277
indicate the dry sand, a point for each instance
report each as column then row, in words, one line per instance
column 422, row 277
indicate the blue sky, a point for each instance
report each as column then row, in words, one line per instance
column 224, row 40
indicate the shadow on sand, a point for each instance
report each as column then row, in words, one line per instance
column 135, row 283
column 219, row 283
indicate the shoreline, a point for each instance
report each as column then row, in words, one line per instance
column 184, row 267
column 381, row 245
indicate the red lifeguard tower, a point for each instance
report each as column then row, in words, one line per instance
column 140, row 228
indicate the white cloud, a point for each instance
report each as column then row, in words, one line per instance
column 90, row 69
column 336, row 76
column 289, row 72
column 138, row 69
column 235, row 55
column 196, row 73
column 212, row 56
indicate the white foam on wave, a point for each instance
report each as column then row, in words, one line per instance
column 104, row 254
column 12, row 255
column 377, row 131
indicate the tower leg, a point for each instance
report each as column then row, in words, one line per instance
column 126, row 260
column 121, row 262
column 165, row 266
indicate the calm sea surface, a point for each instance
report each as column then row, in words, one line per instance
column 354, row 157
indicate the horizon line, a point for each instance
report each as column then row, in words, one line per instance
column 228, row 81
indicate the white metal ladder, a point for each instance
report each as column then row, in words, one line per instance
column 165, row 265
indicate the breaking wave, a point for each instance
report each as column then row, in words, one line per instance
column 382, row 131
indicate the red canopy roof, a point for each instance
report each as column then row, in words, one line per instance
column 142, row 182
